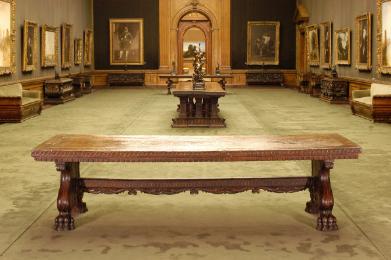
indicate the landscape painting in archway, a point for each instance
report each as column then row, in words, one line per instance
column 190, row 47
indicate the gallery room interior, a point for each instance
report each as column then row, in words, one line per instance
column 195, row 129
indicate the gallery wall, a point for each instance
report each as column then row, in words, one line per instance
column 263, row 10
column 105, row 10
column 53, row 13
column 343, row 15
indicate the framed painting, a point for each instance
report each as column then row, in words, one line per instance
column 49, row 46
column 189, row 49
column 127, row 42
column 263, row 43
column 342, row 47
column 7, row 37
column 66, row 46
column 30, row 45
column 326, row 32
column 363, row 42
column 88, row 49
column 384, row 36
column 78, row 51
column 313, row 45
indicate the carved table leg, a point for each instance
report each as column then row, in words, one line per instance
column 213, row 107
column 183, row 107
column 169, row 85
column 69, row 200
column 198, row 107
column 222, row 83
column 79, row 207
column 323, row 196
column 312, row 206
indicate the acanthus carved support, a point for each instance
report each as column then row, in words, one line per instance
column 326, row 220
column 70, row 195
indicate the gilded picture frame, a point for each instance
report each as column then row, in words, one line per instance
column 127, row 41
column 263, row 43
column 342, row 46
column 30, row 46
column 78, row 51
column 66, row 46
column 383, row 38
column 88, row 47
column 313, row 45
column 363, row 39
column 49, row 46
column 7, row 37
column 326, row 32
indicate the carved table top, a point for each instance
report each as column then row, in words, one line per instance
column 123, row 148
column 186, row 88
column 188, row 76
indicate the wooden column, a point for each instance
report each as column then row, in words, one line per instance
column 225, row 29
column 164, row 31
column 183, row 107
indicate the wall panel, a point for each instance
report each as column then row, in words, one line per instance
column 54, row 13
column 263, row 10
column 343, row 14
column 104, row 10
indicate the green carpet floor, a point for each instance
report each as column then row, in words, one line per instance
column 206, row 226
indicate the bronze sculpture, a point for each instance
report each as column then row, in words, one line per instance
column 198, row 64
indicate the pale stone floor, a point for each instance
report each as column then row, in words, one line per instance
column 206, row 226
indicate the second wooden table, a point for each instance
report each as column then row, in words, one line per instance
column 198, row 108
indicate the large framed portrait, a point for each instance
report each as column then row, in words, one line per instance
column 363, row 42
column 342, row 47
column 384, row 36
column 326, row 32
column 88, row 47
column 313, row 45
column 66, row 46
column 49, row 46
column 30, row 45
column 126, row 41
column 7, row 37
column 263, row 43
column 78, row 51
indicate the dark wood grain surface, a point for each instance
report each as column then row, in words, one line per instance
column 189, row 76
column 186, row 88
column 79, row 148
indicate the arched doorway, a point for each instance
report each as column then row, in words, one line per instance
column 194, row 31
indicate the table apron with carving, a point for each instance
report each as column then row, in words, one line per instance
column 68, row 151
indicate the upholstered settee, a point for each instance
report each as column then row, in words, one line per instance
column 374, row 103
column 17, row 104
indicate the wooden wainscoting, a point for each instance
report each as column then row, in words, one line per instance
column 151, row 77
column 239, row 78
column 290, row 78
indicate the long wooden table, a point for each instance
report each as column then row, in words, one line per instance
column 198, row 108
column 68, row 151
column 170, row 79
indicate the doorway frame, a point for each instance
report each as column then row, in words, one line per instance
column 205, row 27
